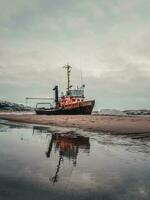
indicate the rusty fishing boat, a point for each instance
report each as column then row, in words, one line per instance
column 73, row 102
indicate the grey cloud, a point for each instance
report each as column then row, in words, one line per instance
column 112, row 49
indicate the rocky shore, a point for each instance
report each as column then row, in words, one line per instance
column 6, row 106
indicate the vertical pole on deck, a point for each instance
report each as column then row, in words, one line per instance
column 68, row 67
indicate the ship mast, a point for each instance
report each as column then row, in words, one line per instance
column 68, row 67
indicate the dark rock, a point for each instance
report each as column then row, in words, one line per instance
column 9, row 106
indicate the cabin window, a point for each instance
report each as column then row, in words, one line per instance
column 78, row 99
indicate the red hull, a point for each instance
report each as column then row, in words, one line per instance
column 83, row 108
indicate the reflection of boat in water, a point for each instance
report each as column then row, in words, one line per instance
column 68, row 145
column 40, row 129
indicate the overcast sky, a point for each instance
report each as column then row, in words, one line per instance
column 108, row 40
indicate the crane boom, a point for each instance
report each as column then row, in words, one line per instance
column 34, row 98
column 38, row 98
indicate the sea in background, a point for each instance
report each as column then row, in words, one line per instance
column 43, row 162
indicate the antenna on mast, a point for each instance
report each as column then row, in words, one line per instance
column 68, row 67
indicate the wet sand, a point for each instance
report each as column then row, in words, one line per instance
column 92, row 123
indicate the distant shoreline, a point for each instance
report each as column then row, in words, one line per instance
column 93, row 123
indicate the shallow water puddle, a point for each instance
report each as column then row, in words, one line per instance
column 38, row 162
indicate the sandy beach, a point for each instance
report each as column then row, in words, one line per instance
column 92, row 123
